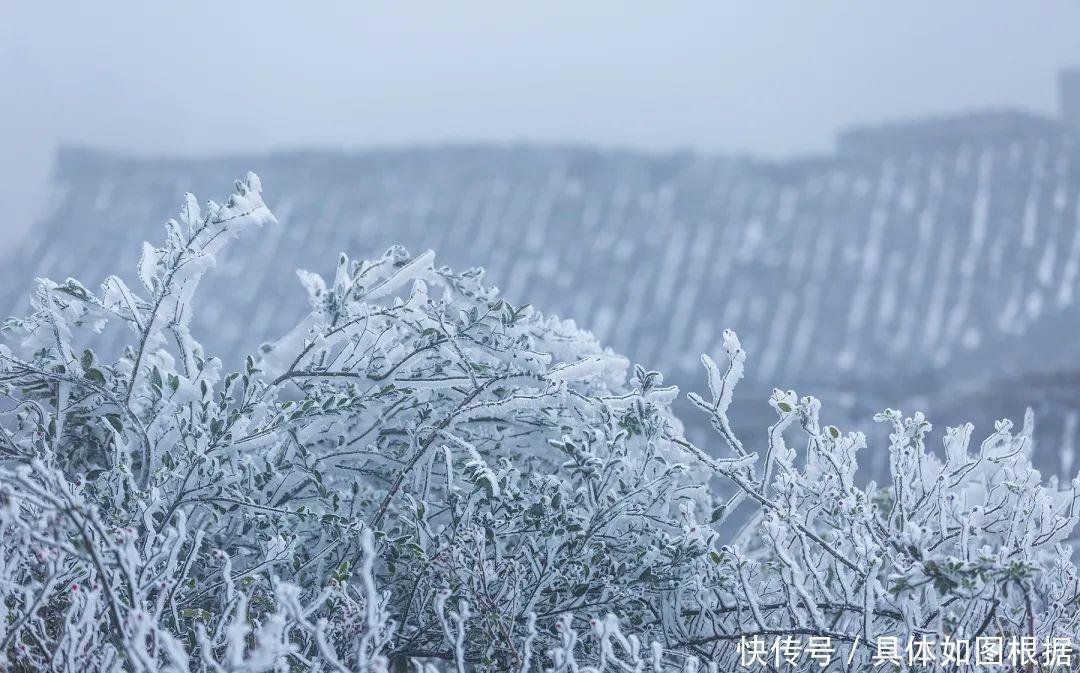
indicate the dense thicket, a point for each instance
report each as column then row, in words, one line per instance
column 422, row 475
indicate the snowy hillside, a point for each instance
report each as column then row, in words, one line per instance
column 915, row 259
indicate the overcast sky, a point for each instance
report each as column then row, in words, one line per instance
column 773, row 78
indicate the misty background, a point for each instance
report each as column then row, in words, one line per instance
column 771, row 79
column 883, row 200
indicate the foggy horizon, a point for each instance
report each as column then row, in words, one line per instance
column 771, row 82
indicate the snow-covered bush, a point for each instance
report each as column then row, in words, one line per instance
column 422, row 475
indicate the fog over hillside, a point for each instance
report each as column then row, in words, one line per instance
column 904, row 268
column 776, row 80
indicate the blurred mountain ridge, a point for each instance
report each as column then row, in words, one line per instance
column 921, row 258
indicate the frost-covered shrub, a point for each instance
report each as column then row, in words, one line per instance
column 421, row 474
column 498, row 458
